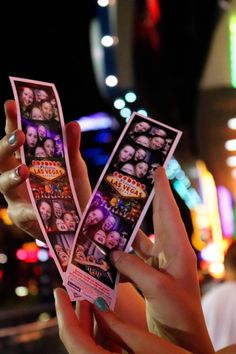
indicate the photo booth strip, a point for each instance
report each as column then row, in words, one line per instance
column 50, row 184
column 117, row 206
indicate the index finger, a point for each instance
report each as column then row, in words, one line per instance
column 11, row 116
column 74, row 338
column 84, row 313
column 172, row 245
column 78, row 166
column 167, row 219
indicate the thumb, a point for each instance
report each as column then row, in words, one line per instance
column 130, row 337
column 146, row 278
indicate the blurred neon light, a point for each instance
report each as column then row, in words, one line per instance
column 96, row 121
column 143, row 112
column 40, row 243
column 232, row 44
column 230, row 145
column 103, row 3
column 232, row 123
column 217, row 270
column 130, row 97
column 43, row 255
column 209, row 195
column 21, row 254
column 182, row 184
column 3, row 258
column 119, row 103
column 225, row 202
column 125, row 112
column 28, row 253
column 211, row 253
column 107, row 41
column 201, row 227
column 231, row 161
column 189, row 195
column 21, row 291
column 111, row 80
column 5, row 217
column 210, row 199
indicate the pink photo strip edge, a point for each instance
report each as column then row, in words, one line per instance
column 82, row 284
column 66, row 165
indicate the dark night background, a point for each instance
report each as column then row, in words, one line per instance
column 49, row 41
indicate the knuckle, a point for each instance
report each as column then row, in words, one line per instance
column 20, row 214
column 4, row 149
column 156, row 284
column 7, row 181
column 124, row 261
column 114, row 323
column 10, row 214
column 15, row 216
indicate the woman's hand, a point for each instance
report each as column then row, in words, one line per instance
column 14, row 174
column 13, row 187
column 168, row 275
column 76, row 330
column 167, row 278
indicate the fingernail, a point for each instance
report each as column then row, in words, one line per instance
column 12, row 138
column 17, row 172
column 101, row 304
column 114, row 256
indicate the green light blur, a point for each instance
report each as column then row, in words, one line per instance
column 232, row 48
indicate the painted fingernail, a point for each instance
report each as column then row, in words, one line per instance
column 101, row 304
column 12, row 138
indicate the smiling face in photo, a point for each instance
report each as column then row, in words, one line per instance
column 141, row 127
column 126, row 153
column 100, row 237
column 157, row 142
column 94, row 217
column 45, row 210
column 31, row 136
column 140, row 154
column 27, row 96
column 112, row 239
column 142, row 140
column 109, row 223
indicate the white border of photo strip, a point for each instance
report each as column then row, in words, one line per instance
column 82, row 284
column 61, row 128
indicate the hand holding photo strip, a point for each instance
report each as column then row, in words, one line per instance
column 50, row 184
column 117, row 207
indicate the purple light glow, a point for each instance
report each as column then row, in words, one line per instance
column 225, row 202
column 97, row 121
